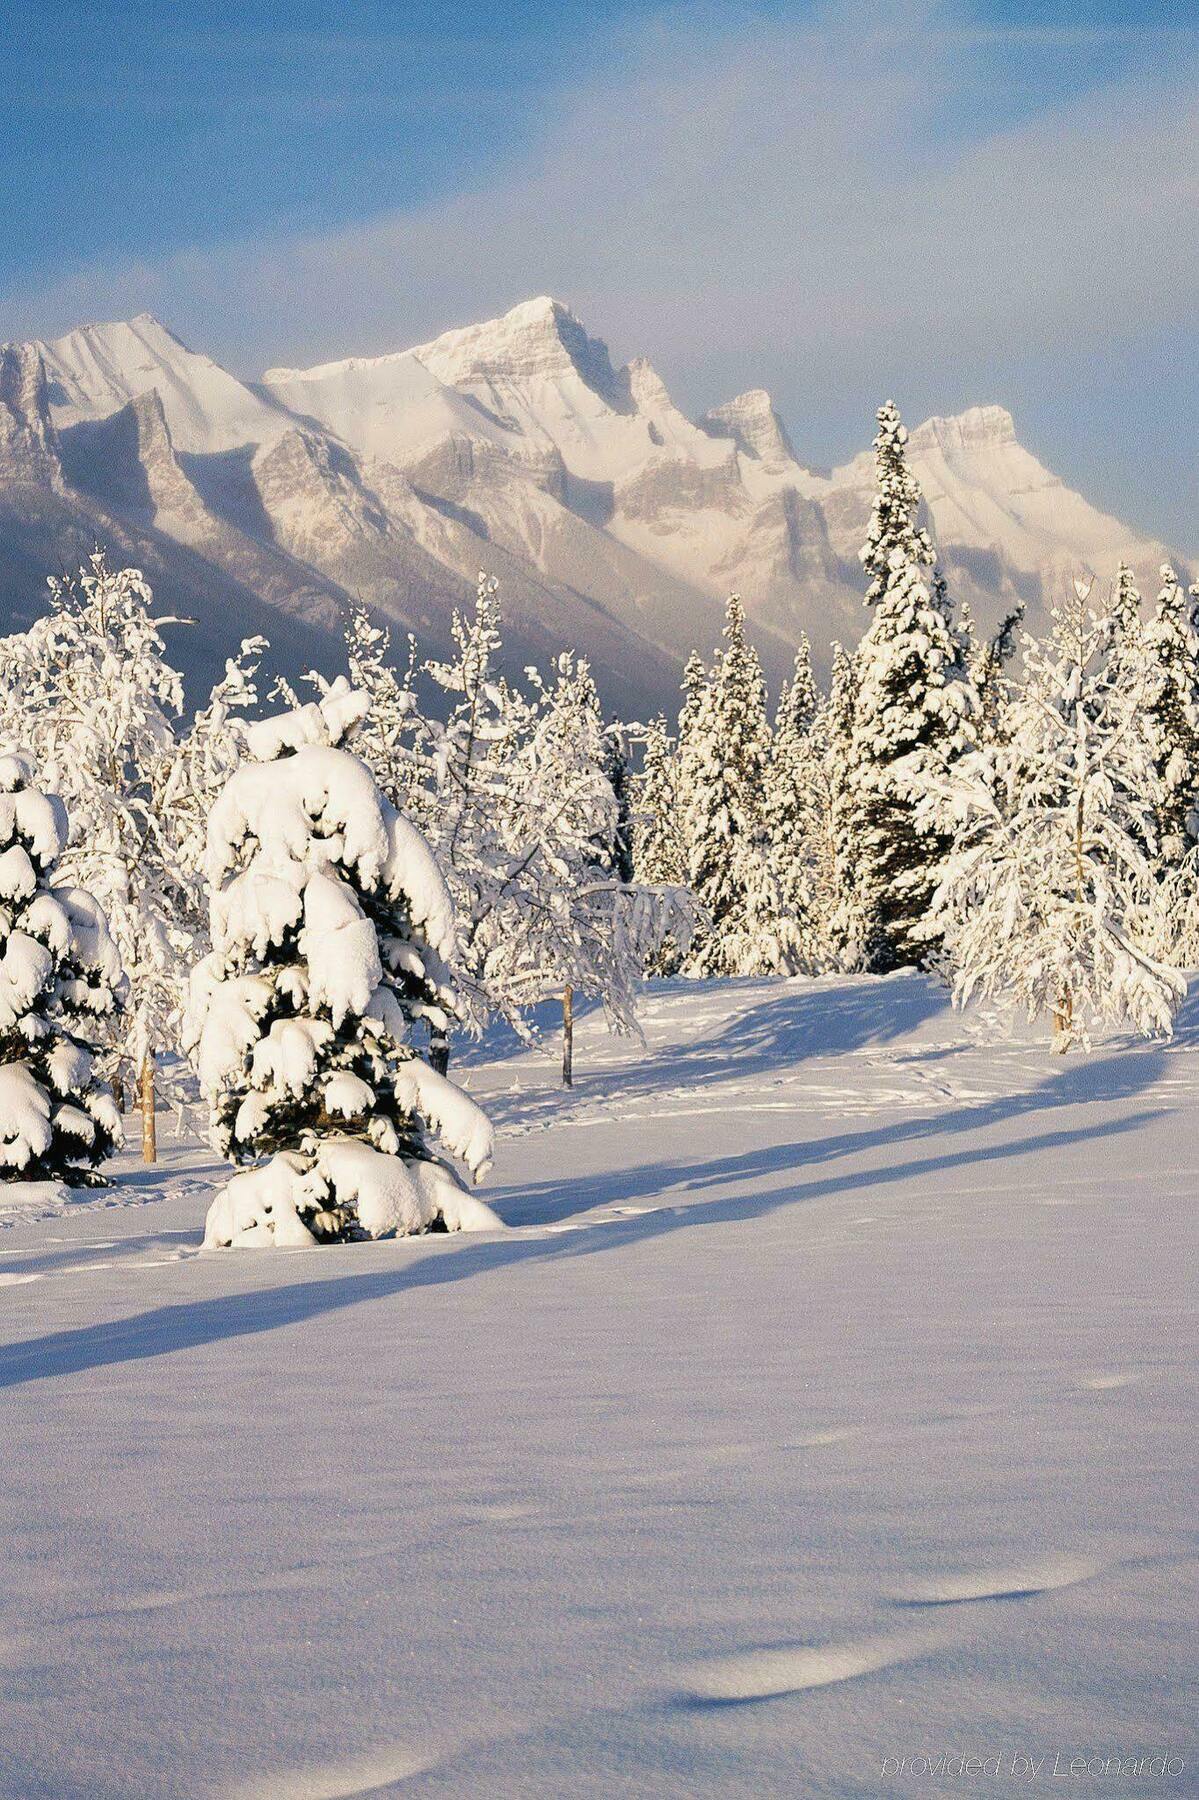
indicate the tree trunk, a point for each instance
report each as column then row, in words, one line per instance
column 568, row 1036
column 149, row 1134
column 1063, row 1024
column 439, row 1051
column 118, row 1091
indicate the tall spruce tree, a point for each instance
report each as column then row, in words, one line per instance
column 1126, row 632
column 725, row 748
column 915, row 714
column 792, row 806
column 1172, row 643
column 847, row 928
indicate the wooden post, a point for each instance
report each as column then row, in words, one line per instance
column 149, row 1134
column 568, row 1036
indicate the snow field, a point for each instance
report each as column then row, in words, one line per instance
column 827, row 1400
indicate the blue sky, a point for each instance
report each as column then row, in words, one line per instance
column 951, row 202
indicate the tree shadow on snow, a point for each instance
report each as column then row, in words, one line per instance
column 192, row 1324
column 798, row 1021
column 1107, row 1079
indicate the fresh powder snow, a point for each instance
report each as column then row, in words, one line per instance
column 827, row 1402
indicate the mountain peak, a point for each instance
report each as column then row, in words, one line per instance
column 646, row 387
column 751, row 421
column 98, row 369
column 542, row 309
column 975, row 428
column 143, row 328
column 540, row 338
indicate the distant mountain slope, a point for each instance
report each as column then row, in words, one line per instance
column 616, row 524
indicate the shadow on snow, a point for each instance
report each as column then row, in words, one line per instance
column 191, row 1324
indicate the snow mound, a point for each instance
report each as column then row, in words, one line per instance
column 349, row 1190
column 767, row 1674
column 34, row 1196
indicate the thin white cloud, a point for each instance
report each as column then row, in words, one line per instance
column 776, row 204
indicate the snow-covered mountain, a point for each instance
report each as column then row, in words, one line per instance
column 615, row 523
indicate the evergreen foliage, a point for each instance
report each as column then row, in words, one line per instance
column 915, row 714
column 725, row 760
column 332, row 931
column 1049, row 897
column 60, row 979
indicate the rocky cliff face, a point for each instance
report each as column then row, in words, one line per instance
column 29, row 449
column 752, row 423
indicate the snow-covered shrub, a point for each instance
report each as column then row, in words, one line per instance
column 331, row 929
column 59, row 975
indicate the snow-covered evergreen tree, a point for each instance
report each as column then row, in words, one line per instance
column 1049, row 899
column 1171, row 640
column 1125, row 612
column 848, row 922
column 90, row 692
column 659, row 851
column 620, row 779
column 60, row 977
column 724, row 759
column 332, row 932
column 988, row 665
column 792, row 804
column 893, row 517
column 915, row 714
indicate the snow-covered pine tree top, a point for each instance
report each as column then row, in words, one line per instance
column 913, row 692
column 332, row 928
column 799, row 698
column 1126, row 606
column 695, row 680
column 896, row 505
column 59, row 975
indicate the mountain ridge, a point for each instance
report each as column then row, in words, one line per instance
column 616, row 523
